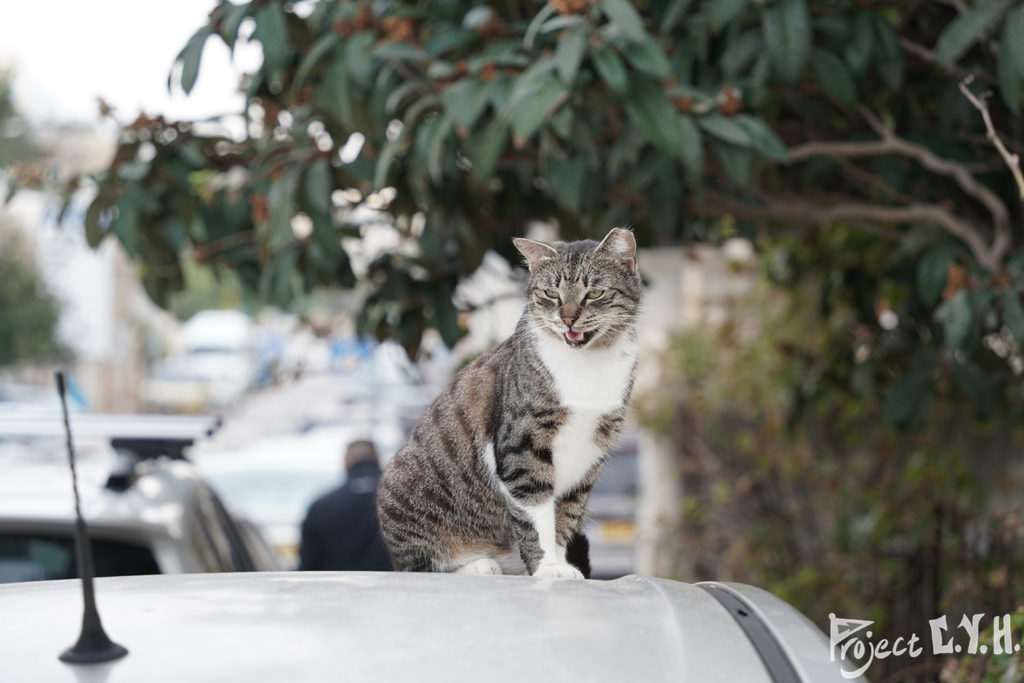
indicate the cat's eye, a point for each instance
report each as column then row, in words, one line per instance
column 595, row 294
column 551, row 293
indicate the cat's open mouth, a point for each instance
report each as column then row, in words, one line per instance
column 573, row 338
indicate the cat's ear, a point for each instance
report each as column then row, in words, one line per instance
column 535, row 252
column 621, row 244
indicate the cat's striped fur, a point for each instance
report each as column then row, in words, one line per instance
column 497, row 474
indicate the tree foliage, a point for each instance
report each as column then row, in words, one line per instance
column 824, row 504
column 663, row 115
column 15, row 141
column 28, row 313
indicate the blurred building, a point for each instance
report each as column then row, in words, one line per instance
column 107, row 320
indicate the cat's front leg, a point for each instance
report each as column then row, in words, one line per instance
column 523, row 463
column 550, row 562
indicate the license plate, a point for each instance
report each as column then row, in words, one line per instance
column 618, row 531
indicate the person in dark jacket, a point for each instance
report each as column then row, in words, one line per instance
column 341, row 531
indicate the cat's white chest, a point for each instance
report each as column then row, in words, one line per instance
column 590, row 383
column 589, row 379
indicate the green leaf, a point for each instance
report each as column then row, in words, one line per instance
column 190, row 57
column 736, row 162
column 318, row 187
column 740, row 54
column 672, row 15
column 401, row 52
column 1013, row 39
column 228, row 27
column 465, row 101
column 357, row 56
column 610, row 68
column 966, row 29
column 446, row 318
column 126, row 225
column 448, row 40
column 654, row 116
column 334, row 94
column 932, row 271
column 625, row 152
column 624, row 17
column 833, row 77
column 766, row 142
column 538, row 20
column 725, row 129
column 909, row 396
column 691, row 148
column 272, row 32
column 1010, row 78
column 319, row 50
column 956, row 319
column 1013, row 314
column 861, row 45
column 569, row 52
column 724, row 11
column 975, row 385
column 486, row 147
column 648, row 57
column 94, row 232
column 343, row 274
column 281, row 200
column 567, row 181
column 439, row 129
column 500, row 92
column 535, row 107
column 387, row 156
column 787, row 35
column 279, row 280
column 888, row 53
column 528, row 82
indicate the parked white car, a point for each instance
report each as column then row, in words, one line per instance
column 366, row 626
column 147, row 513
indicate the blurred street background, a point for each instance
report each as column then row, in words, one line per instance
column 268, row 230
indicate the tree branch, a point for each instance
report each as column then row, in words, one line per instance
column 888, row 143
column 1003, row 239
column 796, row 210
column 958, row 172
column 1011, row 160
column 929, row 57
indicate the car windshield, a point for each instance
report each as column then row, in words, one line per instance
column 38, row 557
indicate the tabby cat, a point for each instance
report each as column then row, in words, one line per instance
column 496, row 476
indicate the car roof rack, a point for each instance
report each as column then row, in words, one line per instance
column 140, row 437
column 109, row 426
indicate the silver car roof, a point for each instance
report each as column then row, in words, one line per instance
column 365, row 626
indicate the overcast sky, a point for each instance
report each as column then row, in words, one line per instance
column 65, row 53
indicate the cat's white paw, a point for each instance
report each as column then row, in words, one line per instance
column 483, row 566
column 558, row 570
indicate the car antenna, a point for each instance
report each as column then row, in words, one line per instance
column 93, row 646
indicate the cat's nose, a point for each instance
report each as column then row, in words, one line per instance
column 569, row 319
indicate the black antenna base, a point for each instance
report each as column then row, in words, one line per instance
column 93, row 648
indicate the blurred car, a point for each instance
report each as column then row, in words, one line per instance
column 611, row 512
column 197, row 381
column 147, row 513
column 274, row 481
column 366, row 626
column 214, row 370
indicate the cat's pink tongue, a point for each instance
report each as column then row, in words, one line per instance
column 574, row 336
